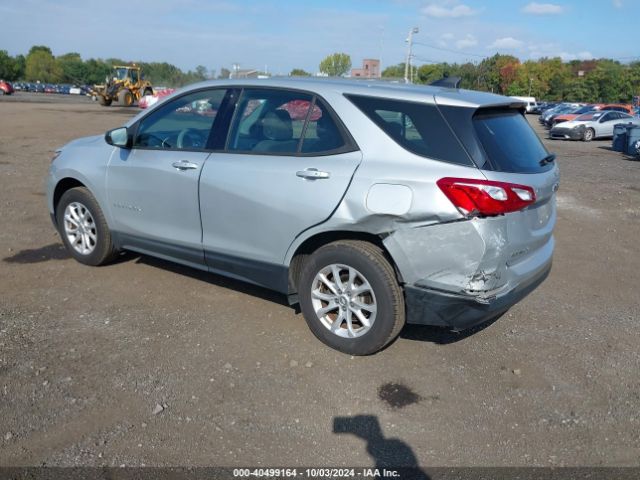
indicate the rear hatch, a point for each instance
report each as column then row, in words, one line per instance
column 506, row 149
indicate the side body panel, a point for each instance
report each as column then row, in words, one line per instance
column 155, row 206
column 253, row 206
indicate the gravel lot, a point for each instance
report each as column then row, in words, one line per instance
column 146, row 362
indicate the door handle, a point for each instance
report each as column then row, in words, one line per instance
column 183, row 165
column 312, row 174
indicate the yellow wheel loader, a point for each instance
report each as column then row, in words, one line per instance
column 125, row 85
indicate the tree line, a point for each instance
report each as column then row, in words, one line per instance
column 41, row 65
column 602, row 80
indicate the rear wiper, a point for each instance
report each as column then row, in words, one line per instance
column 548, row 159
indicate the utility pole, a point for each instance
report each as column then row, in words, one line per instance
column 408, row 61
column 530, row 82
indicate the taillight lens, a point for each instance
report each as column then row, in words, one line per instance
column 486, row 197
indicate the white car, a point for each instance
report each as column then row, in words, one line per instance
column 592, row 125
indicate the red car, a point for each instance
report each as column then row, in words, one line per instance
column 5, row 88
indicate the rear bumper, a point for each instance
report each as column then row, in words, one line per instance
column 459, row 311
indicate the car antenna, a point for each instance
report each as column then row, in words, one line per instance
column 447, row 82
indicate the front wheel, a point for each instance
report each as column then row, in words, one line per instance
column 83, row 228
column 350, row 297
column 588, row 135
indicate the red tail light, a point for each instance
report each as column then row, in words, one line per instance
column 486, row 197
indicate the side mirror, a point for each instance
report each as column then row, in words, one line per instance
column 119, row 137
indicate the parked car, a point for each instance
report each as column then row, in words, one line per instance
column 5, row 88
column 384, row 204
column 619, row 107
column 586, row 127
column 530, row 103
column 560, row 108
column 565, row 117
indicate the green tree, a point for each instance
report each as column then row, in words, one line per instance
column 72, row 68
column 7, row 66
column 431, row 72
column 224, row 73
column 394, row 71
column 336, row 64
column 298, row 72
column 41, row 65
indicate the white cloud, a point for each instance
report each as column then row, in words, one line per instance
column 617, row 3
column 565, row 56
column 535, row 8
column 466, row 42
column 553, row 50
column 449, row 10
column 508, row 43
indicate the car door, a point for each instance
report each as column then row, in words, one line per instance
column 286, row 166
column 606, row 123
column 153, row 186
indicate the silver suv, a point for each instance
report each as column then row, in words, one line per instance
column 369, row 204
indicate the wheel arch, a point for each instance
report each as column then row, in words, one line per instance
column 314, row 242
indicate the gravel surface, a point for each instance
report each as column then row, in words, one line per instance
column 147, row 363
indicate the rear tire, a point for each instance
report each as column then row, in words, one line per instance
column 83, row 228
column 104, row 101
column 350, row 297
column 588, row 135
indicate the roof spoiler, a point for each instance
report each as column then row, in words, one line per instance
column 447, row 82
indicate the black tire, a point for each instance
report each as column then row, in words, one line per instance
column 588, row 135
column 105, row 102
column 147, row 91
column 370, row 261
column 126, row 98
column 103, row 250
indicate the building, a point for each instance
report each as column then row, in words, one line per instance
column 370, row 69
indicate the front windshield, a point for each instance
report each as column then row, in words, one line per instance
column 589, row 117
column 120, row 73
column 585, row 109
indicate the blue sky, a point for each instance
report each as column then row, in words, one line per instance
column 287, row 34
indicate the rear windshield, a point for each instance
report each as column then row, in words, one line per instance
column 509, row 142
column 416, row 127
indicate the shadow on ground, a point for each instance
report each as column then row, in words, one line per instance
column 217, row 280
column 387, row 453
column 442, row 335
column 54, row 251
column 57, row 251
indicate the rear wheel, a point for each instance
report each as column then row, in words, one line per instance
column 350, row 297
column 588, row 135
column 104, row 101
column 83, row 228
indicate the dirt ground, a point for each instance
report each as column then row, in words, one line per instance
column 147, row 363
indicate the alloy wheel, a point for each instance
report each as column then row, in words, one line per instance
column 343, row 300
column 80, row 228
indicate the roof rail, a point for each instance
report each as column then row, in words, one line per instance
column 447, row 82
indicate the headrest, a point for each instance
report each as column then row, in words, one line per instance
column 277, row 125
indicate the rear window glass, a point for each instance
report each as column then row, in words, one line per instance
column 416, row 127
column 510, row 143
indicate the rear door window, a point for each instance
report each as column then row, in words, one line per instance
column 509, row 142
column 416, row 127
column 269, row 121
